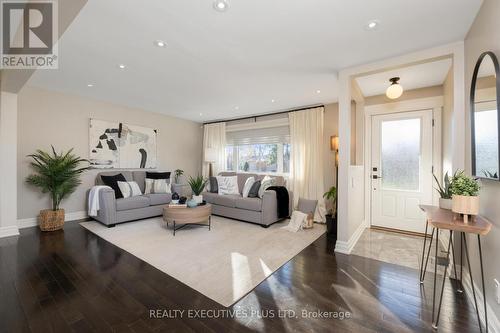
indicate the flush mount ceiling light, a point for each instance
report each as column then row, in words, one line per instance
column 395, row 90
column 318, row 91
column 159, row 43
column 372, row 25
column 90, row 85
column 221, row 5
column 121, row 66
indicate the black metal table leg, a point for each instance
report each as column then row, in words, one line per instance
column 471, row 281
column 435, row 324
column 174, row 227
column 453, row 252
column 423, row 251
column 427, row 258
column 482, row 281
column 209, row 222
column 461, row 290
column 435, row 277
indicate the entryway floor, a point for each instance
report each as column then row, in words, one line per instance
column 394, row 248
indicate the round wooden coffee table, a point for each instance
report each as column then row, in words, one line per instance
column 200, row 215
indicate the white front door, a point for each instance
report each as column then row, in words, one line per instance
column 401, row 169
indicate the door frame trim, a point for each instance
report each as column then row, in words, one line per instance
column 430, row 103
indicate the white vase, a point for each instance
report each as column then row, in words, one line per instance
column 198, row 198
column 445, row 203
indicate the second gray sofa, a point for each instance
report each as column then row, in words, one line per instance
column 256, row 210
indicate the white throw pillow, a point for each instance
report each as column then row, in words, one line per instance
column 129, row 189
column 265, row 183
column 161, row 186
column 148, row 186
column 248, row 185
column 228, row 185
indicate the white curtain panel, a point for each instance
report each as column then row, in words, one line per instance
column 214, row 136
column 306, row 160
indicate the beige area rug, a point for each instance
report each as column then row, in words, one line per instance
column 224, row 263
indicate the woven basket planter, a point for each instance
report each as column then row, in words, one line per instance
column 51, row 220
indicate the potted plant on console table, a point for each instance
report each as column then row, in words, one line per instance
column 444, row 191
column 465, row 199
column 197, row 185
column 58, row 175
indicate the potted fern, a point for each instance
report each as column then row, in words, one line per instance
column 444, row 191
column 197, row 185
column 59, row 176
column 465, row 191
column 331, row 217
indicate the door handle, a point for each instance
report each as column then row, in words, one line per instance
column 376, row 177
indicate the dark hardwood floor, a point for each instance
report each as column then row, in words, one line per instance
column 73, row 280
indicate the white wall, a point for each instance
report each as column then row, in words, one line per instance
column 49, row 118
column 484, row 35
column 8, row 164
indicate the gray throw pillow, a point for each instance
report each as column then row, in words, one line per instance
column 214, row 187
column 254, row 190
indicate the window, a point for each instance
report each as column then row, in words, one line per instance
column 258, row 145
column 260, row 157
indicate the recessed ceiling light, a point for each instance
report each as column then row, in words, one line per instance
column 372, row 25
column 90, row 85
column 160, row 43
column 272, row 101
column 236, row 107
column 122, row 66
column 201, row 114
column 221, row 5
column 318, row 91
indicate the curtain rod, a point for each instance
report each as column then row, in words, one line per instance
column 265, row 114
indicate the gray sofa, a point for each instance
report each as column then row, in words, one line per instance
column 113, row 211
column 256, row 210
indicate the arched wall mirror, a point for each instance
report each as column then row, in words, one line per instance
column 485, row 122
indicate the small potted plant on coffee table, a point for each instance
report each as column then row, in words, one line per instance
column 58, row 175
column 331, row 217
column 444, row 191
column 197, row 185
column 465, row 191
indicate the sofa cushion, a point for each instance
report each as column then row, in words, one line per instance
column 159, row 198
column 127, row 174
column 221, row 200
column 242, row 178
column 209, row 197
column 132, row 203
column 140, row 179
column 278, row 180
column 254, row 204
column 112, row 181
column 254, row 190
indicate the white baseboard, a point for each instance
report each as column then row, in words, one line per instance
column 346, row 247
column 9, row 231
column 493, row 322
column 33, row 221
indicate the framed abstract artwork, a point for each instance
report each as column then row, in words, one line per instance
column 119, row 145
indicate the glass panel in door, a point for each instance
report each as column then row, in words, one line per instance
column 400, row 154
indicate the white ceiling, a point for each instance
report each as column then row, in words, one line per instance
column 412, row 77
column 231, row 64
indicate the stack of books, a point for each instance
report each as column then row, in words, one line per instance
column 177, row 206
